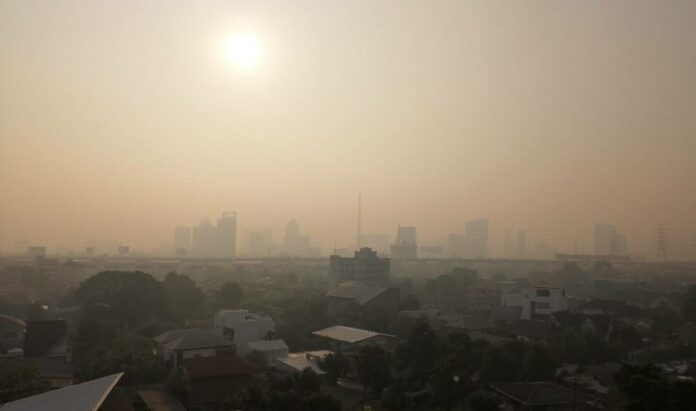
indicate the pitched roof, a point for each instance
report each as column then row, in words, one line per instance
column 216, row 367
column 190, row 338
column 360, row 293
column 160, row 401
column 348, row 334
column 308, row 359
column 267, row 345
column 535, row 393
column 87, row 396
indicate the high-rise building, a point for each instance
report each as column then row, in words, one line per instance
column 204, row 239
column 608, row 241
column 292, row 234
column 476, row 232
column 406, row 246
column 182, row 240
column 226, row 235
column 365, row 266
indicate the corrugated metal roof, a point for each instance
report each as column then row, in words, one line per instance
column 307, row 359
column 348, row 334
column 87, row 396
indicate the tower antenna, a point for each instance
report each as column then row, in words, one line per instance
column 359, row 239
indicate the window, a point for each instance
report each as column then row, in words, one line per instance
column 543, row 293
column 543, row 306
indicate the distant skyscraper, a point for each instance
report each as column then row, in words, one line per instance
column 476, row 232
column 226, row 235
column 406, row 246
column 182, row 240
column 204, row 239
column 521, row 243
column 606, row 239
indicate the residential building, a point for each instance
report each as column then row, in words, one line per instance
column 537, row 302
column 297, row 362
column 546, row 396
column 180, row 344
column 267, row 351
column 365, row 266
column 349, row 339
column 242, row 327
column 213, row 383
column 11, row 333
column 352, row 295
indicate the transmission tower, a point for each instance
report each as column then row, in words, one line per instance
column 661, row 243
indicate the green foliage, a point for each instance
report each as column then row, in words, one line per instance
column 447, row 289
column 688, row 304
column 420, row 350
column 373, row 368
column 646, row 389
column 19, row 380
column 335, row 366
column 518, row 361
column 410, row 302
column 230, row 295
column 184, row 298
column 131, row 298
column 483, row 401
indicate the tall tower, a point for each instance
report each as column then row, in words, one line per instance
column 359, row 238
column 661, row 242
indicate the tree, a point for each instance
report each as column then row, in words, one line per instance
column 410, row 302
column 307, row 382
column 230, row 295
column 132, row 297
column 19, row 380
column 483, row 401
column 335, row 365
column 450, row 383
column 184, row 298
column 420, row 350
column 373, row 368
column 538, row 364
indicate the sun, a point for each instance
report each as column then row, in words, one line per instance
column 244, row 52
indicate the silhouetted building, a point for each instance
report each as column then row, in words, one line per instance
column 204, row 239
column 260, row 243
column 476, row 233
column 377, row 242
column 226, row 235
column 406, row 245
column 182, row 240
column 364, row 266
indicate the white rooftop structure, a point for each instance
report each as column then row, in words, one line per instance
column 87, row 396
column 298, row 361
column 349, row 335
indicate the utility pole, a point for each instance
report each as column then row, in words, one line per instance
column 359, row 239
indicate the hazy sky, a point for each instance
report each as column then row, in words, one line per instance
column 122, row 119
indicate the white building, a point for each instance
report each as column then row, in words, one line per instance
column 243, row 327
column 537, row 302
column 269, row 350
column 180, row 344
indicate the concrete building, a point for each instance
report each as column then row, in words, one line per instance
column 182, row 240
column 350, row 339
column 365, row 266
column 181, row 344
column 204, row 239
column 267, row 351
column 406, row 244
column 537, row 302
column 476, row 233
column 297, row 362
column 226, row 235
column 243, row 327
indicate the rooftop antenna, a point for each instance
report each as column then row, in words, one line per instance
column 661, row 243
column 359, row 239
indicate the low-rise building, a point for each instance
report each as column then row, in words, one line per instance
column 344, row 338
column 352, row 294
column 180, row 344
column 267, row 351
column 297, row 362
column 547, row 396
column 537, row 302
column 364, row 266
column 243, row 327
